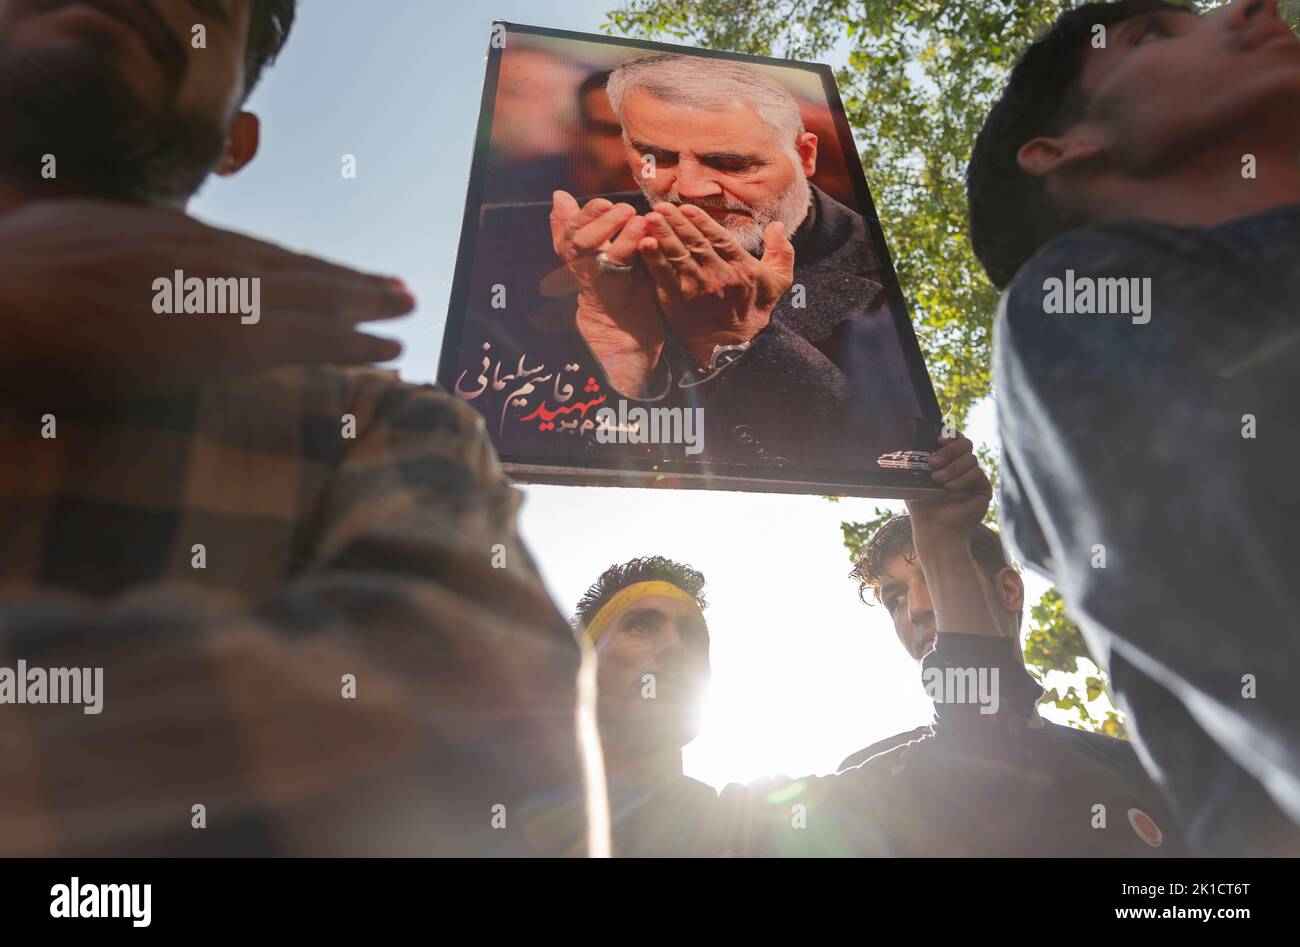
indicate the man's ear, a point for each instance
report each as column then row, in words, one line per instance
column 806, row 146
column 1011, row 590
column 241, row 144
column 1045, row 156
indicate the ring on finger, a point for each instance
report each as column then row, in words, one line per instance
column 606, row 265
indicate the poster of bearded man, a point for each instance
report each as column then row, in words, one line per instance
column 671, row 273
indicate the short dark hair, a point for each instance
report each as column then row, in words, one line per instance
column 894, row 538
column 1010, row 215
column 268, row 30
column 646, row 569
column 589, row 85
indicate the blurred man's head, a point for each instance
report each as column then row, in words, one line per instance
column 603, row 165
column 116, row 92
column 1081, row 128
column 888, row 570
column 645, row 619
column 723, row 137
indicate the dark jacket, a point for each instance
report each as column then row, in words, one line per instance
column 971, row 784
column 1170, row 447
column 825, row 385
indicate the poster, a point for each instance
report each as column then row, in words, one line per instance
column 671, row 273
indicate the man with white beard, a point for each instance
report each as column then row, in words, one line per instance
column 730, row 282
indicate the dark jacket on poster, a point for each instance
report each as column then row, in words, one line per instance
column 824, row 385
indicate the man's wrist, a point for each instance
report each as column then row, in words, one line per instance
column 703, row 347
column 630, row 368
column 940, row 540
column 630, row 374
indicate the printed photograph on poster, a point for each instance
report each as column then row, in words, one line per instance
column 671, row 273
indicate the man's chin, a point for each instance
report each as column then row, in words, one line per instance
column 667, row 731
column 681, row 729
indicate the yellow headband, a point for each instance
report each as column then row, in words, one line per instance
column 625, row 597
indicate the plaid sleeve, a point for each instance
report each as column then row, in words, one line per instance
column 410, row 691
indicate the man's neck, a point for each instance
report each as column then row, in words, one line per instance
column 14, row 195
column 1035, row 718
column 809, row 219
column 628, row 770
column 1213, row 190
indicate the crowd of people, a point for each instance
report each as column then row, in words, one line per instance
column 320, row 633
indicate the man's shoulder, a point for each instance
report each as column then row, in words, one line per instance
column 883, row 746
column 1105, row 754
column 1113, row 750
column 695, row 790
column 1107, row 245
column 416, row 409
column 363, row 395
column 837, row 212
column 843, row 231
column 1078, row 253
column 1057, row 311
column 1185, row 261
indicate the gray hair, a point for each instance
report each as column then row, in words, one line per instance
column 697, row 82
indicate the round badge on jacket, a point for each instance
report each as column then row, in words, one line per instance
column 1145, row 827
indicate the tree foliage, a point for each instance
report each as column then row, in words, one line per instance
column 1055, row 644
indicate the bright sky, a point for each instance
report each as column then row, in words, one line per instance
column 804, row 674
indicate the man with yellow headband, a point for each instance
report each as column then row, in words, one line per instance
column 645, row 619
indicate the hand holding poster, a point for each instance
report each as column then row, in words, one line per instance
column 672, row 274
